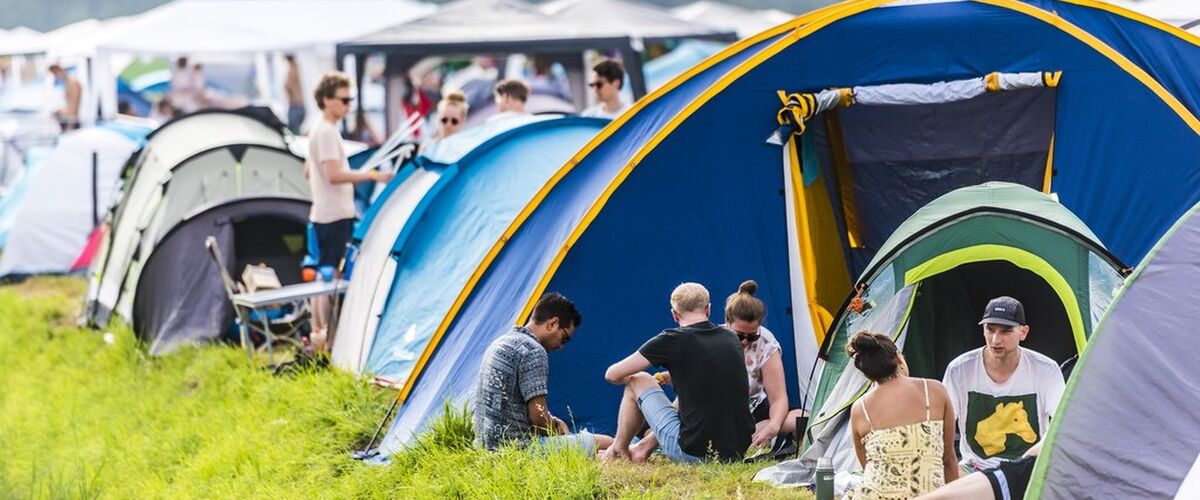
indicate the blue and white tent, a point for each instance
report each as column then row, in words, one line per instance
column 429, row 230
column 66, row 198
column 683, row 187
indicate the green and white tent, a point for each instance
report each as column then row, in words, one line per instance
column 929, row 282
column 1128, row 425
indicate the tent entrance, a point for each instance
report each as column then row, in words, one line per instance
column 275, row 241
column 945, row 319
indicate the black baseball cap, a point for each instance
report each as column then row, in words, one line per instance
column 1004, row 311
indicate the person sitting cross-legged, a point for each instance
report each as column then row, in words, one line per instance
column 708, row 372
column 510, row 400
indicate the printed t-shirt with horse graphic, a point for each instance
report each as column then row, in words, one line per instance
column 999, row 422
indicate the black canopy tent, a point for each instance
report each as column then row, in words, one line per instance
column 561, row 31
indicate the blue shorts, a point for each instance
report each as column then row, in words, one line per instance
column 584, row 441
column 664, row 421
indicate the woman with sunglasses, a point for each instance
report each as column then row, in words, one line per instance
column 744, row 314
column 451, row 114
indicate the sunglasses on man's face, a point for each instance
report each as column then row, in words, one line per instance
column 596, row 84
column 449, row 120
column 345, row 100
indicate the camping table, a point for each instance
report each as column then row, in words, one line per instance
column 263, row 299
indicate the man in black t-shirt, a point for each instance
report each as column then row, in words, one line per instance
column 708, row 372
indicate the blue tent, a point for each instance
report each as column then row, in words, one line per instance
column 431, row 227
column 683, row 187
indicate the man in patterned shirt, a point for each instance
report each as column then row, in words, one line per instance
column 510, row 401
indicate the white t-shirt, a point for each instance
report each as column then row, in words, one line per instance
column 598, row 111
column 330, row 202
column 996, row 421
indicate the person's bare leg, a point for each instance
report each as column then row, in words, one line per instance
column 629, row 417
column 320, row 322
column 641, row 451
column 602, row 441
column 972, row 486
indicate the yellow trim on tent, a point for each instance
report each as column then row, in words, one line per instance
column 1049, row 166
column 1139, row 17
column 992, row 81
column 1050, row 78
column 823, row 18
column 604, row 134
column 1116, row 57
column 845, row 179
column 804, row 235
column 1018, row 257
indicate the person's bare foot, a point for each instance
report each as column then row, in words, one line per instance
column 640, row 454
column 612, row 454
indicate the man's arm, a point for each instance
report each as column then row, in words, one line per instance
column 621, row 370
column 336, row 173
column 541, row 419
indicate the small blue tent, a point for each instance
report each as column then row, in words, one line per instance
column 432, row 226
column 683, row 187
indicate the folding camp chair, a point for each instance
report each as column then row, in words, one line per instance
column 255, row 323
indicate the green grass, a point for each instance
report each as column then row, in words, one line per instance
column 82, row 418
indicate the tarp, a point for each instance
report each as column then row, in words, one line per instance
column 696, row 140
column 65, row 200
column 447, row 213
column 1135, row 386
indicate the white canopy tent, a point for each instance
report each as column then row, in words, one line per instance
column 1182, row 13
column 744, row 21
column 259, row 30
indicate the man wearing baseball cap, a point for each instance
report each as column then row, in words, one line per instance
column 1003, row 394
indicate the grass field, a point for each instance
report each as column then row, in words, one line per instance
column 82, row 418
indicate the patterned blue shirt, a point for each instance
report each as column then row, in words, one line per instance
column 514, row 370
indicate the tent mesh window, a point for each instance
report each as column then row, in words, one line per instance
column 916, row 153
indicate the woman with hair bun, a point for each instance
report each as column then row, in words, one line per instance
column 903, row 427
column 744, row 315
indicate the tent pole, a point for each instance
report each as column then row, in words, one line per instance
column 632, row 60
column 95, row 189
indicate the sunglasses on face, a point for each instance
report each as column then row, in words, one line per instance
column 748, row 337
column 345, row 100
column 566, row 336
column 596, row 84
column 449, row 120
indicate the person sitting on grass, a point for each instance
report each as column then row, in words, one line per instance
column 510, row 400
column 1006, row 481
column 708, row 373
column 744, row 314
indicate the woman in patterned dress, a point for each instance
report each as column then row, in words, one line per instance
column 903, row 427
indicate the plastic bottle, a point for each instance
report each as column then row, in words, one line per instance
column 824, row 479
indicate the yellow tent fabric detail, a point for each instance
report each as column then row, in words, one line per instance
column 847, row 97
column 804, row 235
column 1050, row 78
column 845, row 184
column 992, row 80
column 1018, row 257
column 1049, row 167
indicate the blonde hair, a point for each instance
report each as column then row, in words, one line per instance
column 689, row 297
column 744, row 305
column 454, row 98
column 328, row 86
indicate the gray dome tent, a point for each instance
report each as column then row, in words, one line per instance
column 1127, row 424
column 199, row 160
column 180, row 296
